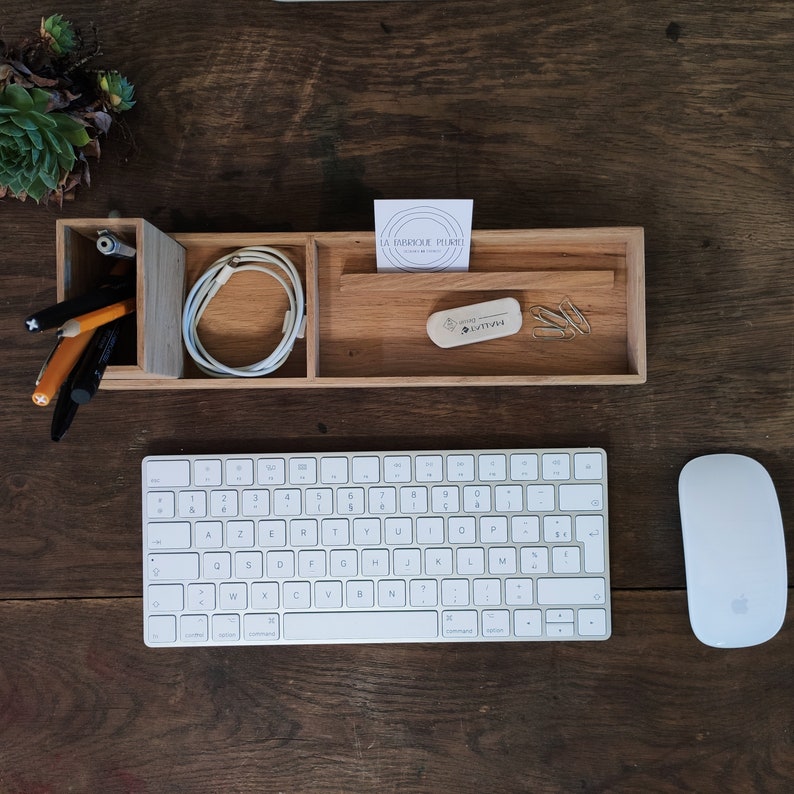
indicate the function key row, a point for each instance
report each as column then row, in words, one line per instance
column 361, row 469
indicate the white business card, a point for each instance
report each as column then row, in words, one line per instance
column 423, row 236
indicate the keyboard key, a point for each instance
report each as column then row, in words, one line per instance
column 360, row 594
column 193, row 628
column 287, row 502
column 524, row 467
column 518, row 592
column 169, row 535
column 160, row 504
column 280, row 564
column 256, row 503
column 261, row 627
column 240, row 534
column 455, row 592
column 166, row 597
column 492, row 467
column 366, row 469
column 225, row 628
column 375, row 562
column 167, row 473
column 459, row 623
column 528, row 623
column 217, row 565
column 556, row 466
column 592, row 622
column 571, row 591
column 240, row 471
column 462, row 530
column 588, row 466
column 487, row 592
column 566, row 559
column 590, row 531
column 476, row 499
column 180, row 567
column 302, row 471
column 161, row 629
column 223, row 504
column 333, row 471
column 581, row 497
column 495, row 623
column 460, row 468
column 341, row 626
column 297, row 595
column 208, row 473
column 270, row 471
column 192, row 504
column 540, row 498
column 201, row 597
column 423, row 592
column 391, row 593
column 397, row 468
column 209, row 534
column 248, row 565
column 429, row 468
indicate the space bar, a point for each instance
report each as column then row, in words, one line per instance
column 360, row 625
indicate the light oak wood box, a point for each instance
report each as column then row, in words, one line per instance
column 369, row 329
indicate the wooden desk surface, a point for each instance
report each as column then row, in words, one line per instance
column 259, row 116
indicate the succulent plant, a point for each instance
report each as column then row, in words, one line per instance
column 54, row 110
column 117, row 89
column 37, row 148
column 58, row 33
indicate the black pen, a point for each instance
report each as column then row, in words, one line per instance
column 119, row 284
column 91, row 367
column 65, row 409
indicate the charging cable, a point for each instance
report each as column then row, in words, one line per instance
column 264, row 260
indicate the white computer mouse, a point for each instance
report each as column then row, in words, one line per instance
column 734, row 550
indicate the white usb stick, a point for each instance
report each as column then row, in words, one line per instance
column 476, row 322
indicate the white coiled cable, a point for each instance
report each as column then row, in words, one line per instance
column 259, row 258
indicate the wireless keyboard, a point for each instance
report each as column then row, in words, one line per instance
column 427, row 546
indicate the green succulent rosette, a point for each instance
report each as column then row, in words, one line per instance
column 117, row 89
column 37, row 148
column 58, row 33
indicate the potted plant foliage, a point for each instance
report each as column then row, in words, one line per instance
column 53, row 110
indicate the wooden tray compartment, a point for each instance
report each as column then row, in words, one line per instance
column 372, row 326
column 150, row 344
column 365, row 328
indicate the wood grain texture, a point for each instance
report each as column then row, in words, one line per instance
column 259, row 117
column 617, row 716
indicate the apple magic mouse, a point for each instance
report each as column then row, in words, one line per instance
column 734, row 550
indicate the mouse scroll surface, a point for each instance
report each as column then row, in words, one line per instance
column 734, row 550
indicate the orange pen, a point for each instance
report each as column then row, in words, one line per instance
column 61, row 362
column 91, row 320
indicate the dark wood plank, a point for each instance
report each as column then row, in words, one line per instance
column 650, row 710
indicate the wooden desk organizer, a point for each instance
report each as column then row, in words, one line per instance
column 368, row 329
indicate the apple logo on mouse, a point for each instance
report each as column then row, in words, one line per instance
column 740, row 605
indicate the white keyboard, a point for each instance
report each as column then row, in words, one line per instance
column 459, row 546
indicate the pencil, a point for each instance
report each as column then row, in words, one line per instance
column 61, row 363
column 91, row 320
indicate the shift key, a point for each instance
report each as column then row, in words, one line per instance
column 588, row 590
column 167, row 567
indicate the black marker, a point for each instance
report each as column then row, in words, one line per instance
column 119, row 285
column 65, row 409
column 91, row 367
